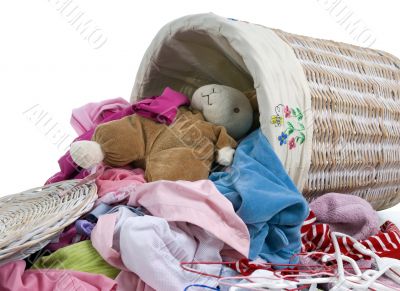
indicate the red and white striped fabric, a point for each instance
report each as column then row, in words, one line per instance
column 317, row 237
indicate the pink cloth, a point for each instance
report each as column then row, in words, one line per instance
column 198, row 203
column 90, row 115
column 165, row 245
column 102, row 239
column 348, row 214
column 117, row 180
column 13, row 277
column 163, row 108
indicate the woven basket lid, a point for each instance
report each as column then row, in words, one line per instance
column 31, row 219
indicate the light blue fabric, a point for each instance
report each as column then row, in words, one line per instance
column 265, row 197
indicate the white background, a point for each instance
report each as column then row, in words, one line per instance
column 46, row 63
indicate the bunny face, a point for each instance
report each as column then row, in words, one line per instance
column 226, row 106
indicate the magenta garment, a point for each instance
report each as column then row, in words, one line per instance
column 117, row 180
column 163, row 108
column 348, row 214
column 90, row 115
column 13, row 277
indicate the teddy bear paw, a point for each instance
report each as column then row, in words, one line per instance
column 86, row 154
column 225, row 156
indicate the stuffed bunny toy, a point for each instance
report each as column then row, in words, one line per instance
column 183, row 150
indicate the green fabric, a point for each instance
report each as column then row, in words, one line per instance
column 81, row 256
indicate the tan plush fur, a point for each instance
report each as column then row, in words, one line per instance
column 184, row 150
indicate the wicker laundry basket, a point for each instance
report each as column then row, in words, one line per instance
column 355, row 97
column 31, row 219
column 331, row 111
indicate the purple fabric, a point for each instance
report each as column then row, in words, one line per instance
column 67, row 237
column 348, row 214
column 163, row 108
column 84, row 227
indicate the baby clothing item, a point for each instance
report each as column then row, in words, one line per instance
column 116, row 180
column 118, row 197
column 84, row 227
column 106, row 239
column 348, row 214
column 166, row 245
column 67, row 237
column 123, row 237
column 13, row 277
column 81, row 257
column 90, row 115
column 138, row 211
column 163, row 108
column 195, row 203
column 317, row 237
column 198, row 203
column 95, row 213
column 184, row 150
column 265, row 197
column 81, row 229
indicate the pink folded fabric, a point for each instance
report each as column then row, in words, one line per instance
column 118, row 179
column 198, row 203
column 345, row 213
column 13, row 277
column 92, row 114
column 166, row 244
column 103, row 241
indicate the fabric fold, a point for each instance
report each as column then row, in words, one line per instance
column 186, row 211
column 265, row 197
column 92, row 114
column 81, row 257
column 14, row 277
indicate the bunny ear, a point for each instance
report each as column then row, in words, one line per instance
column 252, row 96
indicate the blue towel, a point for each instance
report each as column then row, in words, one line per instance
column 265, row 197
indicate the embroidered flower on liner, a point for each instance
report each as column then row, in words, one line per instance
column 282, row 138
column 291, row 143
column 286, row 111
column 294, row 126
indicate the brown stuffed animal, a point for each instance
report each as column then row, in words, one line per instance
column 184, row 150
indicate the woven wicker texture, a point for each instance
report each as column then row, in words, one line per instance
column 356, row 107
column 29, row 220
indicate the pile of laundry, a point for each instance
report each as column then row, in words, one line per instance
column 187, row 235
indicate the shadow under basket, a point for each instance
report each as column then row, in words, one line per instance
column 330, row 110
